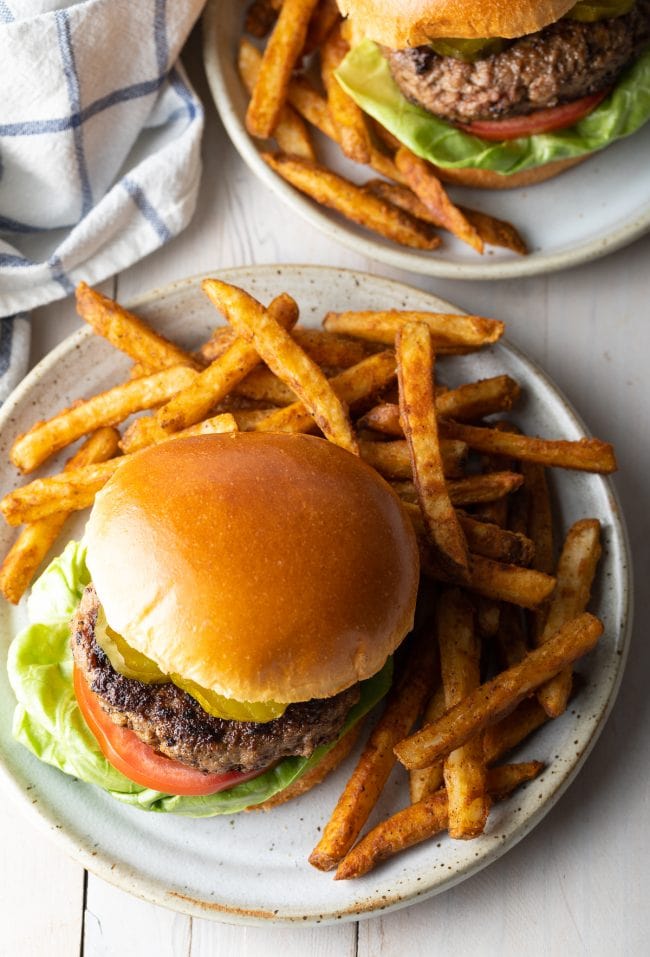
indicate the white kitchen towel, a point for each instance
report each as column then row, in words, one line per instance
column 99, row 146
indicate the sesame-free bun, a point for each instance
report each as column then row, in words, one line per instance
column 489, row 179
column 262, row 566
column 408, row 23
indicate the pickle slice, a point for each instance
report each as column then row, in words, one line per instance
column 468, row 50
column 588, row 11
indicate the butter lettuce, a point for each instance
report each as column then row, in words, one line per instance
column 48, row 722
column 365, row 75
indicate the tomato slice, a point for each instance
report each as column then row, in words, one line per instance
column 139, row 762
column 541, row 121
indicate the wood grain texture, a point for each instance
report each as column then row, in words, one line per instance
column 578, row 883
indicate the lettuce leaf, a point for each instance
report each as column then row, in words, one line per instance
column 366, row 76
column 48, row 722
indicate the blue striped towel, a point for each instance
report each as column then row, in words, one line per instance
column 99, row 148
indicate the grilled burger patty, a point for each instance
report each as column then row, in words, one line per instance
column 563, row 62
column 173, row 723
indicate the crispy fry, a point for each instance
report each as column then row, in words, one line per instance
column 392, row 459
column 260, row 18
column 193, row 403
column 423, row 820
column 324, row 18
column 128, row 333
column 575, row 574
column 340, row 194
column 497, row 543
column 291, row 133
column 493, row 231
column 421, row 178
column 586, row 455
column 360, row 795
column 349, row 122
column 415, row 371
column 425, row 781
column 76, row 489
column 539, row 519
column 488, row 616
column 325, row 348
column 108, row 408
column 284, row 357
column 359, row 382
column 282, row 51
column 464, row 768
column 448, row 332
column 471, row 490
column 501, row 695
column 497, row 512
column 311, row 105
column 520, row 586
column 34, row 542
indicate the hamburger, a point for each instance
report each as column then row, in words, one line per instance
column 501, row 94
column 238, row 600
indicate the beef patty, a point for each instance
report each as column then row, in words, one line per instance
column 563, row 62
column 173, row 723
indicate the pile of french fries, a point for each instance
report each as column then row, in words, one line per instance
column 494, row 659
column 294, row 90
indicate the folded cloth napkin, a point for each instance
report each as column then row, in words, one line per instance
column 99, row 147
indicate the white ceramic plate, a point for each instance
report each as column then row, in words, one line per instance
column 585, row 213
column 253, row 867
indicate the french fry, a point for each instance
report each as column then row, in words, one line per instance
column 423, row 820
column 511, row 637
column 323, row 20
column 470, row 401
column 74, row 490
column 501, row 695
column 393, row 461
column 362, row 791
column 34, row 542
column 464, row 768
column 285, row 358
column 493, row 231
column 340, row 194
column 471, row 490
column 448, row 332
column 497, row 543
column 586, row 455
column 325, row 348
column 311, row 105
column 193, row 403
column 282, row 51
column 351, row 131
column 488, row 616
column 500, row 582
column 105, row 409
column 575, row 574
column 506, row 734
column 128, row 333
column 425, row 781
column 260, row 18
column 421, row 178
column 539, row 519
column 291, row 134
column 415, row 371
column 262, row 385
column 497, row 512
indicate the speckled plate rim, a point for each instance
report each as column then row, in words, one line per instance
column 533, row 265
column 154, row 891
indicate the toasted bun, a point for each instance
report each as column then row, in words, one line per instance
column 488, row 179
column 262, row 566
column 408, row 23
column 330, row 762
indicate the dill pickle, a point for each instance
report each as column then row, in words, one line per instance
column 588, row 11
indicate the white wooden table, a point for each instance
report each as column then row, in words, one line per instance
column 579, row 884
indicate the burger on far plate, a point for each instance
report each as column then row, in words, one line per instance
column 235, row 604
column 501, row 93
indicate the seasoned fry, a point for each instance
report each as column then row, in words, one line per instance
column 324, row 18
column 539, row 519
column 488, row 615
column 575, row 574
column 128, row 333
column 471, row 490
column 415, row 372
column 192, row 403
column 423, row 820
column 421, row 178
column 349, row 122
column 520, row 586
column 586, row 455
column 311, row 105
column 34, row 542
column 464, row 768
column 325, row 348
column 260, row 18
column 447, row 331
column 284, row 357
column 352, row 385
column 493, row 231
column 262, row 385
column 497, row 697
column 502, row 737
column 282, row 51
column 76, row 489
column 290, row 134
column 392, row 459
column 108, row 408
column 425, row 781
column 497, row 543
column 340, row 194
column 360, row 795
